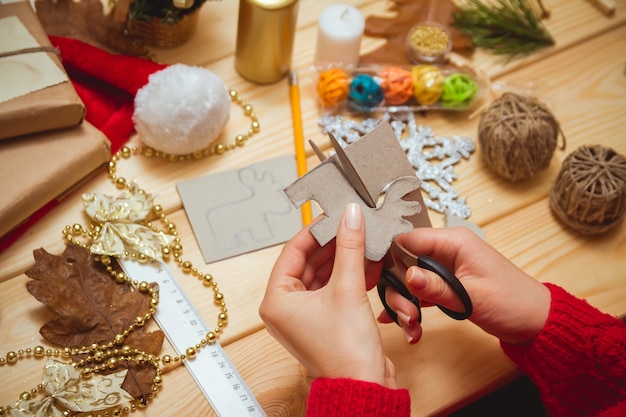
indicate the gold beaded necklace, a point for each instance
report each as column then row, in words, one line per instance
column 98, row 358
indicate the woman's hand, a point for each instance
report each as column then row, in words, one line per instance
column 508, row 303
column 316, row 305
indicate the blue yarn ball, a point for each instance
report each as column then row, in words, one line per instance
column 365, row 93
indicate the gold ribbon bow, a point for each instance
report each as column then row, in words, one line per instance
column 121, row 230
column 65, row 390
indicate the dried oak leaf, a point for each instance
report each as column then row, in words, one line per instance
column 396, row 28
column 90, row 307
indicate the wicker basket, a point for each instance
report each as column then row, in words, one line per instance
column 156, row 33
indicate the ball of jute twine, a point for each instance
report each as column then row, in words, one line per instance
column 518, row 136
column 589, row 193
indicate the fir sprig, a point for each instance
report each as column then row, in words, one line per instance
column 506, row 27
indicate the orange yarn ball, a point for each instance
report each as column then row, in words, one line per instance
column 397, row 85
column 333, row 86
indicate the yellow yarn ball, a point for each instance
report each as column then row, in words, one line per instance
column 427, row 83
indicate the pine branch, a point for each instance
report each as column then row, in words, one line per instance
column 507, row 27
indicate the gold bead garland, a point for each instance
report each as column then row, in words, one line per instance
column 70, row 234
column 212, row 150
column 110, row 355
column 108, row 360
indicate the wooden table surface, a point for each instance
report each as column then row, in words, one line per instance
column 582, row 77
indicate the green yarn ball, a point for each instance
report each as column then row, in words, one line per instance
column 459, row 91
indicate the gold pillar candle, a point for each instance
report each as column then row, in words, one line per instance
column 265, row 35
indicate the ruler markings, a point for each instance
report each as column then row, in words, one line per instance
column 213, row 371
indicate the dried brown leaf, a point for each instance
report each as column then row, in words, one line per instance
column 90, row 307
column 395, row 29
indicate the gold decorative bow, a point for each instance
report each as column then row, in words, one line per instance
column 65, row 390
column 121, row 228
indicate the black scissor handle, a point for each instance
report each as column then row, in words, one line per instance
column 426, row 262
column 429, row 263
column 388, row 279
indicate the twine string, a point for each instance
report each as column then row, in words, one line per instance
column 30, row 51
column 518, row 136
column 589, row 193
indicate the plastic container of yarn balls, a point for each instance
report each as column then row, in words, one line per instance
column 394, row 88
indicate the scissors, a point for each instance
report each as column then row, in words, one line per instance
column 395, row 264
column 398, row 259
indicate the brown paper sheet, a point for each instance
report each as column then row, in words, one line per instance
column 52, row 107
column 37, row 168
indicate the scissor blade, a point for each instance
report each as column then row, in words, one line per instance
column 318, row 151
column 351, row 173
column 399, row 259
column 403, row 256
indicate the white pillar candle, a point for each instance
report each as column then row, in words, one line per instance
column 339, row 33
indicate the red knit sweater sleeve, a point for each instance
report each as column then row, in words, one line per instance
column 348, row 397
column 578, row 360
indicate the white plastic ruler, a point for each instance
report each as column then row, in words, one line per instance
column 212, row 370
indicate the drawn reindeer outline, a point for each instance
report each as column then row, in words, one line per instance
column 265, row 197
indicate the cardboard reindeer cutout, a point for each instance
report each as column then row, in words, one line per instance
column 377, row 164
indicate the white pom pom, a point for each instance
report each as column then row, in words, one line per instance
column 182, row 109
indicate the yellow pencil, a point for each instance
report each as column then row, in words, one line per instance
column 298, row 137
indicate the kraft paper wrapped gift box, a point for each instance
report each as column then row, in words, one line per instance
column 38, row 168
column 35, row 91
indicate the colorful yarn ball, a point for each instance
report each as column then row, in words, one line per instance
column 459, row 90
column 427, row 83
column 365, row 92
column 333, row 86
column 397, row 85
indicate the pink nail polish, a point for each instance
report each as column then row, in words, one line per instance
column 405, row 318
column 408, row 336
column 353, row 216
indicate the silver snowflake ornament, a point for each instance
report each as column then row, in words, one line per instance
column 433, row 158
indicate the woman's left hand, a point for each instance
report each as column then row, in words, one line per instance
column 316, row 305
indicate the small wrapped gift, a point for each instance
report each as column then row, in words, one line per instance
column 35, row 91
column 39, row 168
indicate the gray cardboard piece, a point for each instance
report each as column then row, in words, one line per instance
column 242, row 210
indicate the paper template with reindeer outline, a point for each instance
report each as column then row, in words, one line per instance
column 242, row 210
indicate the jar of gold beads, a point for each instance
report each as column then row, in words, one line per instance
column 428, row 43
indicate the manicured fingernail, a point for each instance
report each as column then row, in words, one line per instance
column 353, row 216
column 405, row 318
column 409, row 337
column 417, row 278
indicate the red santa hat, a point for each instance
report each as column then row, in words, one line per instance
column 107, row 84
column 177, row 108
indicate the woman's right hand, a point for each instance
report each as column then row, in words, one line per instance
column 508, row 303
